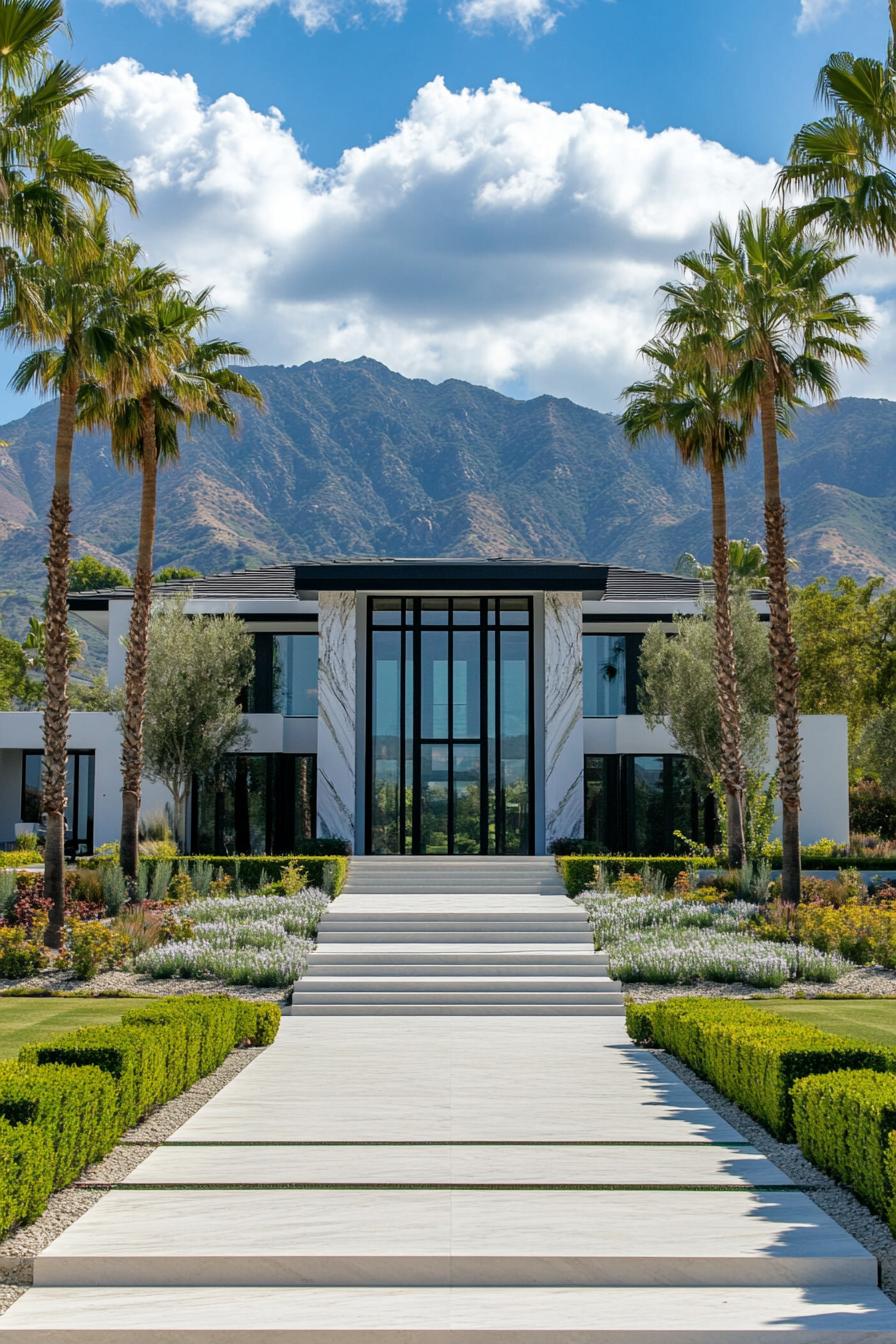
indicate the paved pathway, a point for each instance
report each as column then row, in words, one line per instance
column 454, row 1179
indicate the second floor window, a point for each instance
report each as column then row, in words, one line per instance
column 604, row 675
column 285, row 680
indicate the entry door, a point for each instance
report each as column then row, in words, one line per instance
column 450, row 734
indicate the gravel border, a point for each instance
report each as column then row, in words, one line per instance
column 110, row 983
column 834, row 1199
column 871, row 981
column 17, row 1250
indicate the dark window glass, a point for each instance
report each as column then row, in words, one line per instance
column 465, row 687
column 648, row 810
column 467, row 799
column 434, row 799
column 434, row 683
column 285, row 675
column 604, row 675
column 79, row 788
column 386, row 708
column 513, row 800
column 295, row 675
column 601, row 782
column 256, row 804
column 434, row 611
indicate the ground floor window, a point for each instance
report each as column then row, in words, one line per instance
column 79, row 789
column 635, row 804
column 256, row 804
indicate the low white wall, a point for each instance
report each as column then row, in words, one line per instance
column 825, row 760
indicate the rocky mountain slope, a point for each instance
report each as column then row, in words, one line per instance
column 353, row 458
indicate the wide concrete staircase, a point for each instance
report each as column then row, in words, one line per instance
column 455, row 936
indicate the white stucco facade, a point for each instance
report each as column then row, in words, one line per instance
column 562, row 737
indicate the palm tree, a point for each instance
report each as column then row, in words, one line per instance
column 746, row 563
column 45, row 176
column 786, row 330
column 845, row 160
column 691, row 400
column 172, row 377
column 67, row 310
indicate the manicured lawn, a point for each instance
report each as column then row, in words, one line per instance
column 23, row 1019
column 871, row 1020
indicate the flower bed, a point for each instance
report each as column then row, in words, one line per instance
column 241, row 940
column 684, row 956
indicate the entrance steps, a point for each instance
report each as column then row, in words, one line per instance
column 517, row 950
column 453, row 874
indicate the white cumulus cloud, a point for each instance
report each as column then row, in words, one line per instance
column 234, row 18
column 529, row 16
column 816, row 13
column 487, row 237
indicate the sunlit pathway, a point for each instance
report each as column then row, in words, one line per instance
column 446, row 1178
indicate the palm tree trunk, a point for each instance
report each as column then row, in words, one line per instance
column 137, row 653
column 783, row 650
column 728, row 700
column 56, row 709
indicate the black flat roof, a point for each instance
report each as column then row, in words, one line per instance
column 406, row 574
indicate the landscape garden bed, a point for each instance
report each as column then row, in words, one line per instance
column 193, row 924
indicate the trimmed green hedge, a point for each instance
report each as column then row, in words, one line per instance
column 75, row 1108
column 67, row 1101
column 26, row 1173
column 751, row 1056
column 328, row 872
column 577, row 870
column 845, row 1123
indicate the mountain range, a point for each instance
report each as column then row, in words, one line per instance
column 352, row 458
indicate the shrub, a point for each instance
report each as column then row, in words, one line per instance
column 27, row 841
column 872, row 809
column 26, row 1173
column 753, row 1057
column 86, row 887
column 94, row 947
column 160, row 879
column 577, row 870
column 844, row 1123
column 19, row 955
column 115, row 888
column 612, row 917
column 19, row 858
column 180, row 888
column 865, row 934
column 639, row 1022
column 9, row 892
column 76, row 1108
column 159, row 1049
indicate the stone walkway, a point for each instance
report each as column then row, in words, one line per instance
column 454, row 1179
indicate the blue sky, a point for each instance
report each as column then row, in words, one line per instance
column 483, row 235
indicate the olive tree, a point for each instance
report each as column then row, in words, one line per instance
column 197, row 667
column 678, row 692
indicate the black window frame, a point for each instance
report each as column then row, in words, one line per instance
column 281, row 779
column 620, row 810
column 77, row 754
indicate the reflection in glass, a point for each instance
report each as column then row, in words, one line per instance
column 603, row 675
column 433, row 683
column 513, row 799
column 465, row 690
column 258, row 804
column 598, row 802
column 467, row 799
column 79, row 783
column 648, row 805
column 434, row 799
column 385, row 741
column 295, row 675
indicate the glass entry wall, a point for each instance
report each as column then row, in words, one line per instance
column 449, row 714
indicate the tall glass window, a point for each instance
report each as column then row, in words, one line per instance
column 449, row 705
column 604, row 675
column 285, row 676
column 635, row 804
column 79, row 787
column 256, row 804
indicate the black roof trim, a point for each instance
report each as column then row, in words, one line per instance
column 449, row 575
